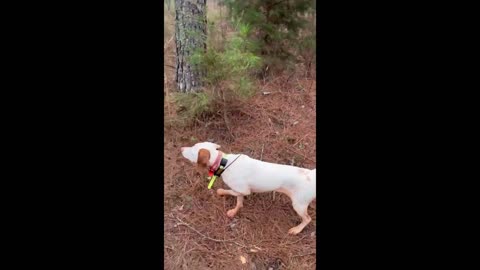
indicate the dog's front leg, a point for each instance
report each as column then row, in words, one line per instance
column 232, row 212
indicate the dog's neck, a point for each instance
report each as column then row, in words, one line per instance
column 215, row 158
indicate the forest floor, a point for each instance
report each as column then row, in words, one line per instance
column 276, row 125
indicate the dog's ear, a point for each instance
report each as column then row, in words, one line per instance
column 203, row 158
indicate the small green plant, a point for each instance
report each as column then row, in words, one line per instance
column 229, row 76
column 233, row 67
column 191, row 105
column 276, row 26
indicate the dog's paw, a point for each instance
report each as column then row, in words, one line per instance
column 294, row 230
column 231, row 213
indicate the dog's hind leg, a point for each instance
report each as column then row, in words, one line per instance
column 232, row 212
column 302, row 210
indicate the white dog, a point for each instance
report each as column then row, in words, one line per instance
column 245, row 175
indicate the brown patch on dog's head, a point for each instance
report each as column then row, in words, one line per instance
column 203, row 158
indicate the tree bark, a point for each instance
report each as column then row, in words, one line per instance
column 190, row 35
column 169, row 4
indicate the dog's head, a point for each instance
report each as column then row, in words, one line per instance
column 200, row 153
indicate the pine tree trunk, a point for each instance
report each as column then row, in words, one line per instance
column 169, row 4
column 190, row 35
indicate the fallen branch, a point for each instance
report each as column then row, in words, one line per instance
column 301, row 255
column 291, row 243
column 207, row 237
column 301, row 139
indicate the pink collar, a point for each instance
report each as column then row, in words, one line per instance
column 216, row 163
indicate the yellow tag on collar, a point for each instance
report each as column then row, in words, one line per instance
column 212, row 179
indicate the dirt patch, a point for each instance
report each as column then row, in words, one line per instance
column 277, row 125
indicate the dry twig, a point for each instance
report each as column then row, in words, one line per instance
column 294, row 242
column 301, row 255
column 207, row 237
